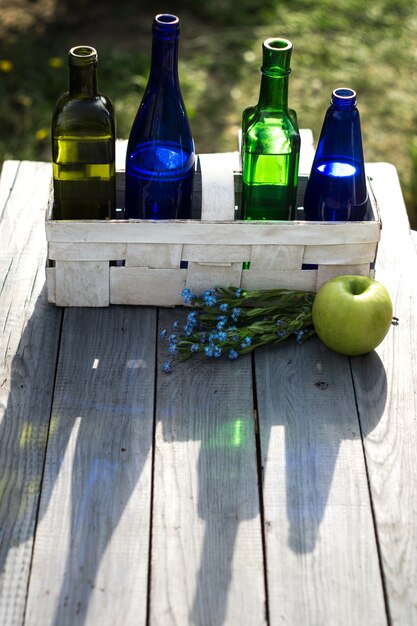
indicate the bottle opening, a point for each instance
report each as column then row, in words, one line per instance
column 167, row 18
column 278, row 44
column 166, row 26
column 276, row 56
column 344, row 98
column 344, row 92
column 82, row 55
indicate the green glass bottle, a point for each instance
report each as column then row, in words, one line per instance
column 83, row 144
column 271, row 142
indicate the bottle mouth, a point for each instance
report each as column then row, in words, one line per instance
column 167, row 18
column 166, row 23
column 276, row 56
column 82, row 55
column 278, row 44
column 344, row 98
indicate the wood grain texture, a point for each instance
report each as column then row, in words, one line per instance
column 90, row 560
column 352, row 254
column 273, row 279
column 414, row 237
column 128, row 285
column 153, row 256
column 206, row 566
column 82, row 283
column 270, row 257
column 218, row 187
column 8, row 176
column 202, row 276
column 82, row 251
column 223, row 254
column 218, row 233
column 386, row 385
column 307, row 151
column 321, row 552
column 326, row 272
column 28, row 349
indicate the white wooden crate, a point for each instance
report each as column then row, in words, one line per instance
column 143, row 262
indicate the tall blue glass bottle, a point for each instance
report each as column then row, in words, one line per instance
column 160, row 154
column 336, row 189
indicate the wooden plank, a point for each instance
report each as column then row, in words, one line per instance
column 351, row 254
column 226, row 233
column 82, row 283
column 7, row 180
column 90, row 560
column 214, row 253
column 28, row 349
column 50, row 283
column 218, row 186
column 326, row 272
column 307, row 151
column 280, row 257
column 75, row 251
column 121, row 147
column 386, row 388
column 206, row 559
column 153, row 255
column 274, row 279
column 321, row 553
column 414, row 237
column 128, row 285
column 205, row 276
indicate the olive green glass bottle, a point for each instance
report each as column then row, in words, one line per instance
column 271, row 142
column 83, row 144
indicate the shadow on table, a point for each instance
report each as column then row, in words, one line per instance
column 26, row 391
column 207, row 408
column 99, row 438
column 107, row 439
column 316, row 429
column 104, row 410
column 227, row 448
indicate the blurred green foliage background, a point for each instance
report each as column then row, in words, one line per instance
column 370, row 47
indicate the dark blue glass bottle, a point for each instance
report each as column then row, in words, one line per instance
column 160, row 154
column 336, row 189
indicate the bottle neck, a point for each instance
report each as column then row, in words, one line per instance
column 83, row 81
column 276, row 57
column 164, row 61
column 274, row 92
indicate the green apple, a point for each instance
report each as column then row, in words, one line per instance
column 352, row 314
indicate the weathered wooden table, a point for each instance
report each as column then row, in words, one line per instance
column 277, row 489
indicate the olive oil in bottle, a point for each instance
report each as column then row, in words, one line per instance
column 83, row 144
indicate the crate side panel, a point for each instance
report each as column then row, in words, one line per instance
column 153, row 255
column 196, row 232
column 218, row 186
column 326, row 272
column 50, row 284
column 276, row 257
column 216, row 254
column 82, row 283
column 81, row 251
column 340, row 254
column 201, row 276
column 143, row 286
column 279, row 279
